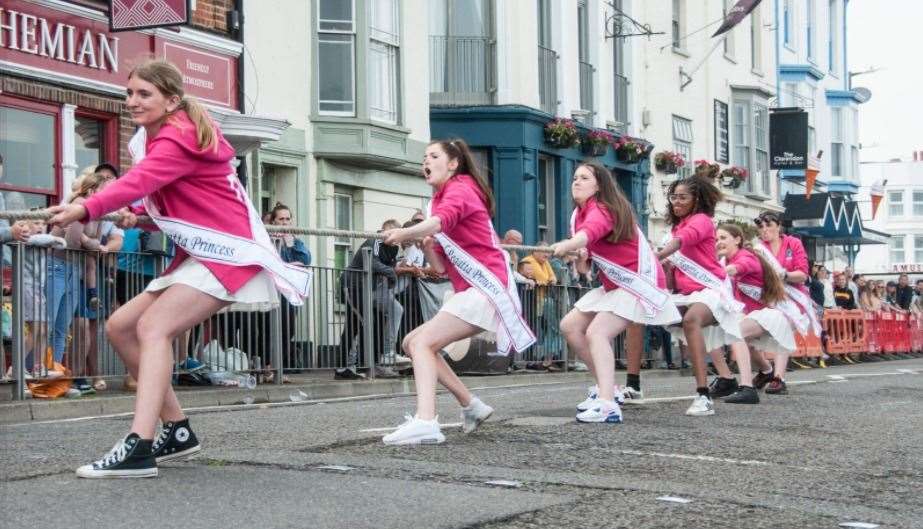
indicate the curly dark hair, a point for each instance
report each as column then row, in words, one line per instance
column 705, row 196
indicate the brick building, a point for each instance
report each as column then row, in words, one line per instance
column 62, row 88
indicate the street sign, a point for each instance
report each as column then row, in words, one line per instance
column 788, row 139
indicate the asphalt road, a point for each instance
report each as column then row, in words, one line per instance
column 846, row 445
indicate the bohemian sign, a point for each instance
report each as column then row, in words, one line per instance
column 788, row 139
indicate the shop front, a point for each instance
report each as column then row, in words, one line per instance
column 63, row 84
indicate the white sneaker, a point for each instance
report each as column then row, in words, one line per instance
column 415, row 431
column 579, row 367
column 631, row 395
column 401, row 360
column 602, row 411
column 701, row 406
column 474, row 414
column 73, row 393
column 592, row 393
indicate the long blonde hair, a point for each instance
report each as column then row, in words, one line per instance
column 169, row 81
column 85, row 185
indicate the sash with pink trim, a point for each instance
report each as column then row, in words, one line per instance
column 641, row 284
column 700, row 275
column 209, row 244
column 512, row 330
column 796, row 296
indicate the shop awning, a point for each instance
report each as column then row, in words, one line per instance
column 831, row 218
column 247, row 132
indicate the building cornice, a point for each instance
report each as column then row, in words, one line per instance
column 802, row 70
column 846, row 95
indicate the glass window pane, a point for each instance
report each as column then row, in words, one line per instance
column 335, row 15
column 384, row 21
column 27, row 144
column 335, row 73
column 469, row 19
column 383, row 81
column 88, row 142
column 918, row 248
column 918, row 204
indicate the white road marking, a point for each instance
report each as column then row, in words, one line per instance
column 836, row 377
column 674, row 499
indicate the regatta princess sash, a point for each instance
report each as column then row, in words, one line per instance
column 209, row 244
column 795, row 295
column 787, row 307
column 512, row 330
column 641, row 284
column 700, row 275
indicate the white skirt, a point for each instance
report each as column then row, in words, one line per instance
column 258, row 294
column 728, row 328
column 779, row 337
column 473, row 307
column 624, row 304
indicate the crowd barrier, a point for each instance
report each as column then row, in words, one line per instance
column 886, row 333
column 352, row 318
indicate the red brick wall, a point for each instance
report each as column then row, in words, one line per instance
column 51, row 94
column 212, row 15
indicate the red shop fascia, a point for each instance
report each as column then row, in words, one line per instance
column 62, row 86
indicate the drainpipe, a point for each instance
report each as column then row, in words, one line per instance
column 778, row 83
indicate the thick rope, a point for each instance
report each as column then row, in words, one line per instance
column 13, row 216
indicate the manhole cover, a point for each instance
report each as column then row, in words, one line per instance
column 541, row 421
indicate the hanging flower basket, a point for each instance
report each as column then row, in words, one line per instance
column 733, row 176
column 561, row 133
column 596, row 142
column 668, row 162
column 630, row 150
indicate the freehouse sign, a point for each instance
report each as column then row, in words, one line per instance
column 788, row 139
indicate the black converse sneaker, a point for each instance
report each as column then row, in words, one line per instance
column 129, row 458
column 175, row 441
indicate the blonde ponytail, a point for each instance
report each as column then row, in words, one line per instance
column 205, row 129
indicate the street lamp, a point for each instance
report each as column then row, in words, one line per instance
column 872, row 69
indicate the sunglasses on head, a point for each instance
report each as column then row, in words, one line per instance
column 766, row 218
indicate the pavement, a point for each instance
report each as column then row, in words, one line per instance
column 846, row 445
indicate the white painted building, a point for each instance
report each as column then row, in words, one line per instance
column 900, row 215
column 350, row 77
column 707, row 98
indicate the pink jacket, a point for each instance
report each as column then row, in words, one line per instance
column 186, row 183
column 792, row 257
column 749, row 272
column 596, row 222
column 697, row 233
column 465, row 220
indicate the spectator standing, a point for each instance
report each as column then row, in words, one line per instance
column 292, row 250
column 891, row 293
column 903, row 292
column 869, row 300
column 842, row 294
column 851, row 281
column 547, row 317
column 384, row 257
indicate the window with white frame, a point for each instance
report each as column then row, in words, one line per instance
column 742, row 122
column 897, row 249
column 895, row 203
column 918, row 248
column 837, row 138
column 722, row 145
column 788, row 29
column 336, row 53
column 918, row 205
column 811, row 30
column 756, row 39
column 384, row 54
column 750, row 125
column 728, row 36
column 833, row 37
column 676, row 25
column 682, row 143
column 343, row 220
column 761, row 148
column 790, row 96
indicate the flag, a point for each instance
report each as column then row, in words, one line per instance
column 737, row 13
column 877, row 193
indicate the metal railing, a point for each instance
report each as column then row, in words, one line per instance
column 548, row 79
column 461, row 70
column 621, row 100
column 352, row 318
column 586, row 90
